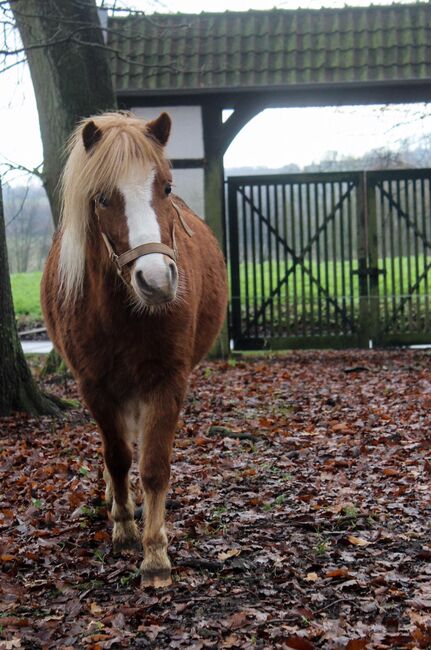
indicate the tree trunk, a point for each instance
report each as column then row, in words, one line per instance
column 18, row 391
column 71, row 76
column 70, row 70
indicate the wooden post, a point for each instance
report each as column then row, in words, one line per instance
column 217, row 138
column 214, row 194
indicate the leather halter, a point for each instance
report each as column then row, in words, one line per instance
column 145, row 249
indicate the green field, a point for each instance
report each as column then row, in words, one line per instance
column 25, row 290
column 334, row 277
column 400, row 272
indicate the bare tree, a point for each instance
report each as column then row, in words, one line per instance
column 70, row 70
column 69, row 66
column 18, row 390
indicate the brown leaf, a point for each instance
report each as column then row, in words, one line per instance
column 342, row 572
column 13, row 643
column 151, row 631
column 342, row 427
column 390, row 471
column 102, row 536
column 357, row 644
column 417, row 603
column 14, row 621
column 357, row 541
column 311, row 577
column 200, row 441
column 95, row 609
column 225, row 555
column 231, row 641
column 236, row 621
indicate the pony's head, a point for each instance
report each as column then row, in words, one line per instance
column 116, row 184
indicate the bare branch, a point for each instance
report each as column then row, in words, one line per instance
column 12, row 65
column 10, row 167
column 72, row 38
column 20, row 209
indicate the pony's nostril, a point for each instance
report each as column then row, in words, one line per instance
column 173, row 272
column 142, row 283
column 157, row 287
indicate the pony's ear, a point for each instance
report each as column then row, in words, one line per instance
column 91, row 135
column 160, row 128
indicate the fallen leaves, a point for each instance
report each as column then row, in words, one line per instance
column 299, row 643
column 295, row 515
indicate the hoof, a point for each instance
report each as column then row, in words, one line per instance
column 156, row 578
column 119, row 546
column 125, row 537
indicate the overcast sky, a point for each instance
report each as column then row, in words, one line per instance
column 274, row 138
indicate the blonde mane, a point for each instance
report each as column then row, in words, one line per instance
column 124, row 142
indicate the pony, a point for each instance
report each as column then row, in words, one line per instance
column 134, row 294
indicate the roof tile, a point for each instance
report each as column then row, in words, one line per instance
column 177, row 52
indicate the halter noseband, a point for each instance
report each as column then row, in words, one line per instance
column 145, row 249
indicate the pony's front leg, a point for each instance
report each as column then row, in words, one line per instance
column 108, row 487
column 161, row 415
column 118, row 455
column 118, row 459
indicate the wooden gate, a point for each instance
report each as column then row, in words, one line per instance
column 399, row 240
column 329, row 260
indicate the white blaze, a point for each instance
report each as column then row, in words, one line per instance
column 137, row 189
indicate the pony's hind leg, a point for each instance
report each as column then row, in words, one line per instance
column 159, row 422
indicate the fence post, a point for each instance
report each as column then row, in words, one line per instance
column 234, row 261
column 364, row 315
column 373, row 258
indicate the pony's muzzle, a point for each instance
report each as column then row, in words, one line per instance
column 156, row 286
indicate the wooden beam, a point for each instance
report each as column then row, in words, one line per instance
column 187, row 163
column 243, row 113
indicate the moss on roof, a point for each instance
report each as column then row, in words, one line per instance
column 278, row 48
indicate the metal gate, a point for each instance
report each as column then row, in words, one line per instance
column 329, row 260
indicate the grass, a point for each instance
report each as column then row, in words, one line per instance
column 25, row 291
column 334, row 276
column 301, row 306
column 338, row 278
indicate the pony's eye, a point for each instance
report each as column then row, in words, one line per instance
column 168, row 189
column 103, row 200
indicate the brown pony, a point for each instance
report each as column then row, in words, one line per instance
column 133, row 294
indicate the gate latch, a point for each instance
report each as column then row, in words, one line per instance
column 371, row 272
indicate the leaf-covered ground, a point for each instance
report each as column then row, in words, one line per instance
column 299, row 515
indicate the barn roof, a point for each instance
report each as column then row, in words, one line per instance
column 207, row 52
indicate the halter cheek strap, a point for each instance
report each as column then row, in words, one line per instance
column 146, row 249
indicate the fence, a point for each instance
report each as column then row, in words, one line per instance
column 330, row 260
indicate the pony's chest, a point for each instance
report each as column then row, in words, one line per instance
column 129, row 355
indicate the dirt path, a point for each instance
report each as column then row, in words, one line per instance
column 312, row 530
